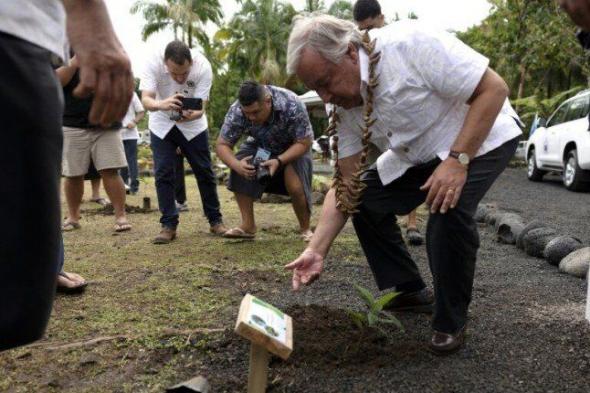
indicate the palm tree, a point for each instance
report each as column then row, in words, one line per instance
column 254, row 41
column 186, row 16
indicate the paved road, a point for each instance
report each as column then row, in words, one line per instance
column 549, row 201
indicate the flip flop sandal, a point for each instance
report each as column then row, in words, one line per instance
column 70, row 290
column 122, row 227
column 69, row 226
column 100, row 201
column 238, row 233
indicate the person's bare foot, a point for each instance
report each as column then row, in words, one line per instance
column 70, row 283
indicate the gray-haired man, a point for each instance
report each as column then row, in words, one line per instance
column 445, row 130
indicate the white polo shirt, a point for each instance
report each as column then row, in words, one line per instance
column 156, row 79
column 425, row 79
column 41, row 22
column 134, row 108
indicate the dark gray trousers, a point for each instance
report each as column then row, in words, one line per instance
column 451, row 239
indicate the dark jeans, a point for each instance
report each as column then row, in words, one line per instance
column 197, row 154
column 179, row 183
column 31, row 106
column 129, row 174
column 451, row 239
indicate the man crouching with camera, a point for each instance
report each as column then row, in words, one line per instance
column 275, row 157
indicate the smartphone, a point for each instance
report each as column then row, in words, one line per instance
column 189, row 103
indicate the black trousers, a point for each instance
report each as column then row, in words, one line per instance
column 451, row 239
column 31, row 107
column 179, row 182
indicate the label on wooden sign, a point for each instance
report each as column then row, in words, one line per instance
column 265, row 325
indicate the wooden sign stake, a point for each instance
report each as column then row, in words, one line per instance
column 269, row 330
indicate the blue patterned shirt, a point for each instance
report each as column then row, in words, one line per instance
column 288, row 123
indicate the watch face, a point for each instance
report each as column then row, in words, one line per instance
column 463, row 159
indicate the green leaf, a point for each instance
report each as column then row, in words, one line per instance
column 389, row 319
column 372, row 318
column 384, row 300
column 359, row 319
column 365, row 295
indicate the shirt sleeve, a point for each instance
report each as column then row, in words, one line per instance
column 137, row 107
column 349, row 141
column 149, row 77
column 302, row 125
column 205, row 81
column 233, row 124
column 445, row 64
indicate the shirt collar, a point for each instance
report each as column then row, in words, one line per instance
column 364, row 68
column 278, row 103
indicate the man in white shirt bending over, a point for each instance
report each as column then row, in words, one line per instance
column 441, row 120
column 176, row 73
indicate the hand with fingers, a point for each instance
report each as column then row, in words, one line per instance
column 273, row 165
column 171, row 103
column 245, row 168
column 105, row 69
column 579, row 11
column 445, row 185
column 306, row 269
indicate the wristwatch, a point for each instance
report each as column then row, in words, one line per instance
column 463, row 158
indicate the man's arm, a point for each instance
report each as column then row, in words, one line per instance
column 294, row 151
column 446, row 183
column 308, row 266
column 105, row 69
column 148, row 99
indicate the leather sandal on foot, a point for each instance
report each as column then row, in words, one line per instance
column 238, row 233
column 69, row 226
column 122, row 226
column 100, row 201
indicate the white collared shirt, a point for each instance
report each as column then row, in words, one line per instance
column 425, row 79
column 156, row 79
column 135, row 107
column 41, row 22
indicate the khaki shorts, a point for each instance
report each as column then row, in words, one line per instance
column 105, row 148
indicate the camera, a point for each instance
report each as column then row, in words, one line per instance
column 188, row 103
column 262, row 172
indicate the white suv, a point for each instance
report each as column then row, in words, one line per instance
column 563, row 145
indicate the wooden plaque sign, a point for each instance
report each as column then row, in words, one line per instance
column 265, row 325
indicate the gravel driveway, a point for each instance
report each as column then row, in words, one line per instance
column 526, row 333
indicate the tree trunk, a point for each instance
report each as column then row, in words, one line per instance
column 522, row 69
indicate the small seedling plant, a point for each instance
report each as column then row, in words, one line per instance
column 374, row 315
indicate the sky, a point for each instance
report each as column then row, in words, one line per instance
column 448, row 15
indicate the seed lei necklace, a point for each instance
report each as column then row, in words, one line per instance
column 349, row 192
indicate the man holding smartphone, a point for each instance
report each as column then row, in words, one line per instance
column 170, row 77
column 274, row 158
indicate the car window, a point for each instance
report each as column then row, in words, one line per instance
column 558, row 116
column 578, row 109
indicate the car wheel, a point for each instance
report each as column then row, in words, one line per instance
column 533, row 173
column 573, row 174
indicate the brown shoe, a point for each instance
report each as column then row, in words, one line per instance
column 421, row 301
column 165, row 236
column 445, row 343
column 218, row 229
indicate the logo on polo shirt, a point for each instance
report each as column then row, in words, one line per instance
column 190, row 83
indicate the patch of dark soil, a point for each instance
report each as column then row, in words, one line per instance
column 109, row 210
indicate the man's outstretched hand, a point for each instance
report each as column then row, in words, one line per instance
column 306, row 269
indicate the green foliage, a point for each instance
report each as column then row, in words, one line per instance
column 374, row 316
column 531, row 44
column 544, row 107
